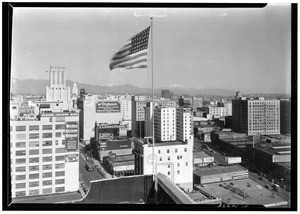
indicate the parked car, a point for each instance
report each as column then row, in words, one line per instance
column 267, row 187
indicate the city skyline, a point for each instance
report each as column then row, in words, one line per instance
column 239, row 49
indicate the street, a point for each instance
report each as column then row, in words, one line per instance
column 85, row 175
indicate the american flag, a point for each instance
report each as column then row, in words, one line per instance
column 134, row 53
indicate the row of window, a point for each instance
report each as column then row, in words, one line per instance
column 44, row 175
column 37, row 127
column 36, row 192
column 35, row 152
column 35, row 160
column 44, row 183
column 168, row 150
column 37, row 143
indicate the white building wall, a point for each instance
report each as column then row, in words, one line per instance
column 38, row 158
column 175, row 161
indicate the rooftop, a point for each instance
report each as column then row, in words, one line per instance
column 215, row 170
column 275, row 149
column 245, row 191
column 201, row 154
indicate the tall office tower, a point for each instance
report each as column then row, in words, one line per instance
column 57, row 90
column 197, row 103
column 256, row 116
column 164, row 124
column 138, row 115
column 166, row 94
column 44, row 154
column 228, row 109
column 185, row 102
column 149, row 119
column 75, row 89
column 285, row 116
column 126, row 110
column 184, row 125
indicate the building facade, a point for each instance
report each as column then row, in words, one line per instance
column 57, row 89
column 285, row 117
column 164, row 124
column 256, row 116
column 173, row 159
column 44, row 154
column 184, row 124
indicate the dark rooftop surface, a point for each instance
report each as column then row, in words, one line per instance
column 215, row 170
column 53, row 198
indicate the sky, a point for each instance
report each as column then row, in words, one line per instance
column 247, row 50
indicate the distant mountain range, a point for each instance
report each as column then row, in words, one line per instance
column 32, row 86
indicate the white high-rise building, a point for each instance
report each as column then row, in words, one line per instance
column 75, row 89
column 184, row 124
column 58, row 90
column 165, row 124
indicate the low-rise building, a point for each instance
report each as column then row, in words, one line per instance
column 119, row 165
column 214, row 174
column 174, row 159
column 202, row 159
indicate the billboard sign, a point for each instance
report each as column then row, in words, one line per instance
column 71, row 136
column 233, row 160
column 105, row 136
column 107, row 107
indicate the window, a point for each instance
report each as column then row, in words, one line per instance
column 186, row 163
column 34, row 136
column 34, row 128
column 21, row 160
column 168, row 158
column 59, row 189
column 60, row 166
column 169, row 166
column 178, row 164
column 47, row 135
column 47, row 127
column 48, row 166
column 47, row 143
column 21, row 153
column 178, row 172
column 158, row 151
column 34, row 168
column 34, row 152
column 20, row 185
column 34, row 176
column 47, row 191
column 60, row 173
column 58, row 134
column 169, row 173
column 21, row 169
column 168, row 150
column 59, row 150
column 60, row 181
column 34, row 184
column 20, row 136
column 178, row 157
column 47, row 159
column 47, row 174
column 20, row 144
column 176, row 150
column 34, row 192
column 60, row 126
column 14, row 107
column 34, row 144
column 20, row 177
column 185, row 149
column 47, row 151
column 34, row 160
column 60, row 119
column 60, row 158
column 47, row 183
column 20, row 128
column 160, row 159
column 20, row 193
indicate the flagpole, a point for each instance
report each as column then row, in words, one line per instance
column 153, row 138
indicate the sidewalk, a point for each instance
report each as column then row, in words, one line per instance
column 102, row 169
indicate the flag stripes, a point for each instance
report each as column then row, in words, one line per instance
column 134, row 53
